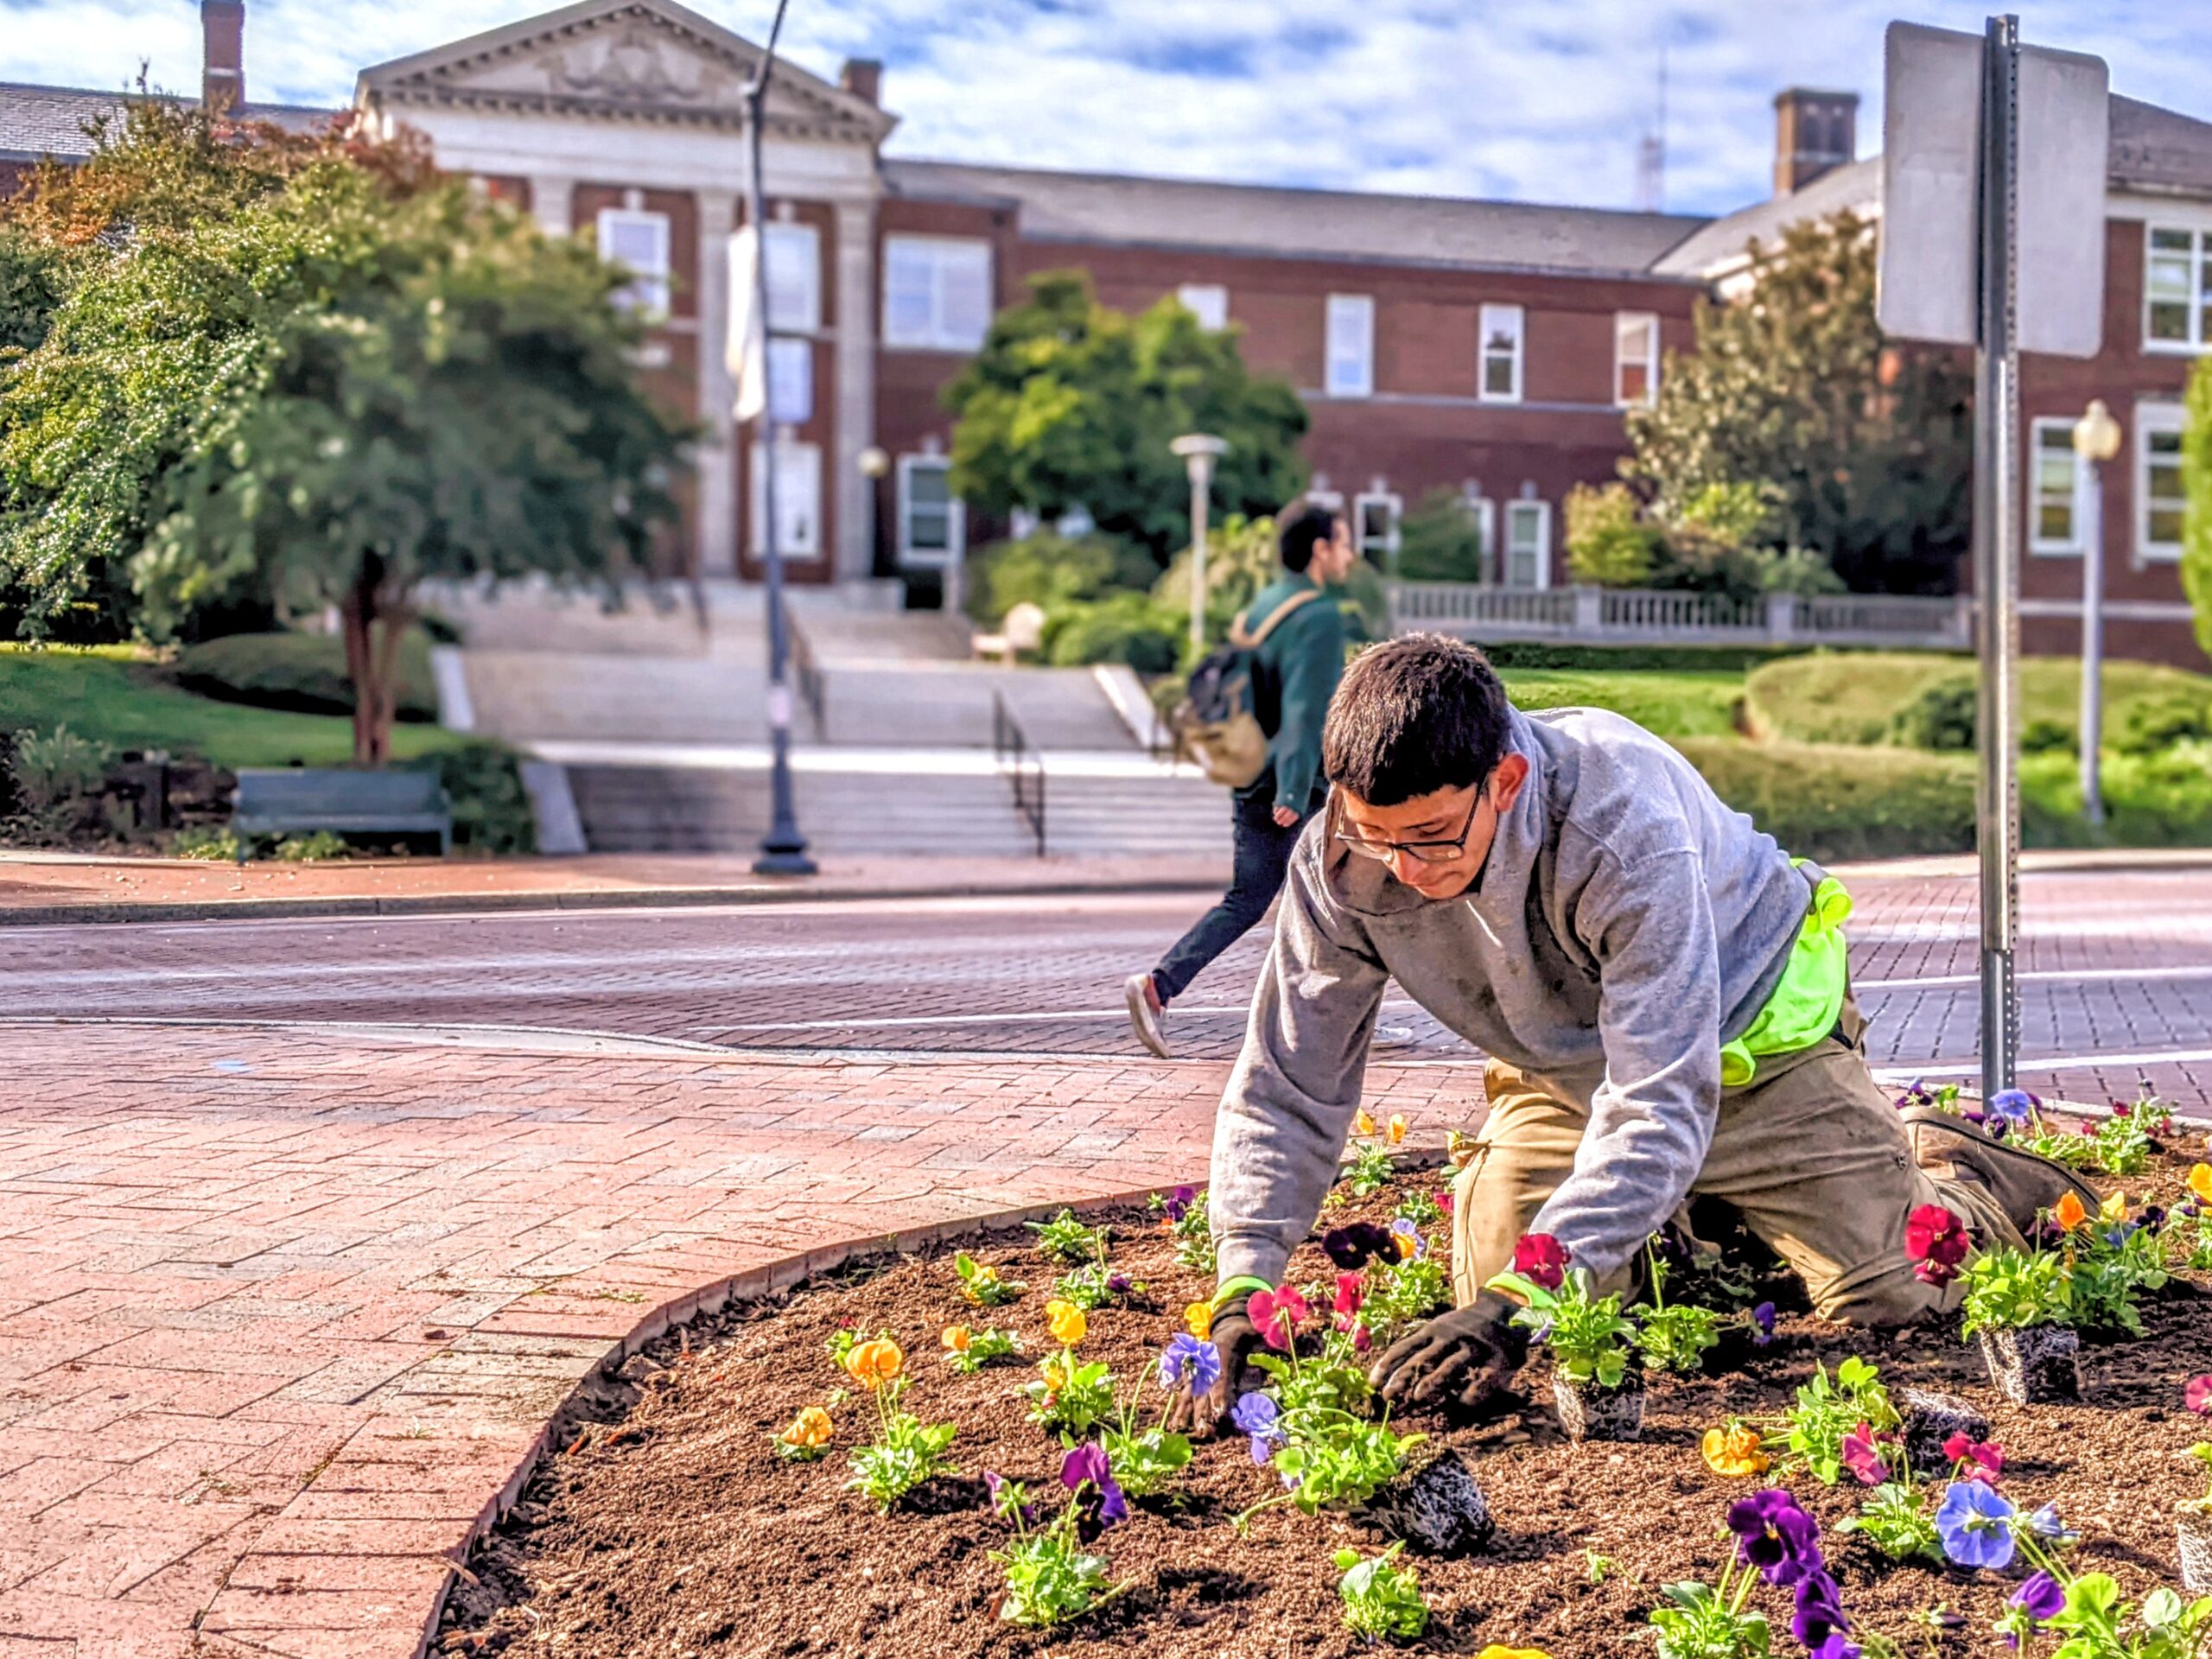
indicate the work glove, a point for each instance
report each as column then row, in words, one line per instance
column 1234, row 1333
column 1464, row 1357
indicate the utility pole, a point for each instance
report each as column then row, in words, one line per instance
column 783, row 849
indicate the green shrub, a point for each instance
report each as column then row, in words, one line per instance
column 1606, row 659
column 2155, row 725
column 1832, row 802
column 2150, row 800
column 316, row 848
column 53, row 777
column 1441, row 541
column 491, row 808
column 304, row 673
column 1049, row 570
column 2045, row 736
column 217, row 843
column 1941, row 718
column 1124, row 627
column 1609, row 543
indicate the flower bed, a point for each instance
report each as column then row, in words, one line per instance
column 729, row 1499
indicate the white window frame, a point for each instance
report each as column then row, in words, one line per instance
column 1349, row 329
column 1505, row 317
column 795, row 461
column 1542, row 511
column 2161, row 418
column 794, row 277
column 1484, row 510
column 1386, row 545
column 2038, row 429
column 943, row 252
column 956, row 517
column 1623, row 322
column 649, row 291
column 2197, row 338
column 1208, row 302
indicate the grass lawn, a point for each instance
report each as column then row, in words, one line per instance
column 122, row 696
column 1672, row 702
column 1851, row 698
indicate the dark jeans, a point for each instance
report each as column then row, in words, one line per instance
column 1262, row 858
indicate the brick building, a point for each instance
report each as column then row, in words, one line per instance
column 1488, row 348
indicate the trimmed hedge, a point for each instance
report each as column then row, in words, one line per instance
column 302, row 672
column 1880, row 696
column 1612, row 660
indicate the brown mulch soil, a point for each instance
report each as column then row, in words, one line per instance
column 670, row 1528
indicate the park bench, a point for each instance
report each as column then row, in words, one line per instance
column 300, row 800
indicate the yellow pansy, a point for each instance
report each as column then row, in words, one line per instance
column 2200, row 1182
column 1067, row 1322
column 1198, row 1320
column 1363, row 1122
column 1397, row 1130
column 875, row 1363
column 957, row 1338
column 1494, row 1651
column 2114, row 1208
column 1733, row 1451
column 811, row 1427
column 1407, row 1244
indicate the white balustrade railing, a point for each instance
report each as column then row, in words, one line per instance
column 1632, row 616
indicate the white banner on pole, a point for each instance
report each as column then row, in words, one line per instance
column 746, row 349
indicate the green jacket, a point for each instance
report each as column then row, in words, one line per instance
column 1296, row 672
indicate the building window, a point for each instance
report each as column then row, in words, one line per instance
column 794, row 277
column 933, row 522
column 1501, row 359
column 1528, row 545
column 1635, row 358
column 2054, row 508
column 936, row 293
column 798, row 500
column 1208, row 302
column 1351, row 371
column 1375, row 522
column 2158, row 493
column 2176, row 290
column 791, row 381
column 639, row 243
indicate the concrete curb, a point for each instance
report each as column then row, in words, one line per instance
column 470, row 903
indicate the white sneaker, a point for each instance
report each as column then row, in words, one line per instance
column 1394, row 1039
column 1145, row 1013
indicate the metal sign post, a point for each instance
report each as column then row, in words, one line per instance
column 1996, row 556
column 1994, row 168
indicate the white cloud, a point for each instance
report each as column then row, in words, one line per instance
column 1536, row 101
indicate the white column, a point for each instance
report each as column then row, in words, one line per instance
column 552, row 200
column 717, row 450
column 854, row 493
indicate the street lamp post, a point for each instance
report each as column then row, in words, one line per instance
column 783, row 849
column 1199, row 451
column 2096, row 440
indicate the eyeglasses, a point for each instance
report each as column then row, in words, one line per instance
column 1420, row 852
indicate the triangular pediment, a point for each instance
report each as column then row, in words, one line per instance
column 649, row 60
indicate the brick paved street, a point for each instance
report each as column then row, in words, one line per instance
column 281, row 1316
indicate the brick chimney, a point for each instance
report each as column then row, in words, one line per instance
column 222, row 79
column 1814, row 131
column 863, row 79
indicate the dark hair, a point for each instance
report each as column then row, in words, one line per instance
column 1415, row 716
column 1300, row 530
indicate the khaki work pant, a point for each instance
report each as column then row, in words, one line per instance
column 1810, row 1151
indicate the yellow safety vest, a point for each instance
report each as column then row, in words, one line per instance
column 1805, row 1005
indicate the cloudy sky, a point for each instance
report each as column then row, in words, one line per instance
column 1534, row 99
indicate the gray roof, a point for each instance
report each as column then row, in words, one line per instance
column 2152, row 150
column 1270, row 219
column 38, row 121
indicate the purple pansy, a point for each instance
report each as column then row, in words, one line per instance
column 1088, row 1473
column 1352, row 1248
column 1762, row 1324
column 1179, row 1204
column 1189, row 1365
column 1974, row 1524
column 1775, row 1534
column 1402, row 1228
column 1256, row 1414
column 1820, row 1609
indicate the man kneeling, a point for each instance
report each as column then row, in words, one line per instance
column 1663, row 993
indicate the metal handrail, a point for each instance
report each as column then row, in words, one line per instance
column 813, row 691
column 1023, row 766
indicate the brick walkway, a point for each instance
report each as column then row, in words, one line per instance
column 281, row 1318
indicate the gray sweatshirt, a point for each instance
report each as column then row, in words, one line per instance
column 1625, row 925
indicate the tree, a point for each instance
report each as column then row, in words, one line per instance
column 350, row 382
column 1609, row 544
column 2197, row 512
column 1867, row 446
column 1442, row 540
column 1071, row 404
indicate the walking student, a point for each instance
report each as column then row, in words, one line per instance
column 1296, row 652
column 1663, row 991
